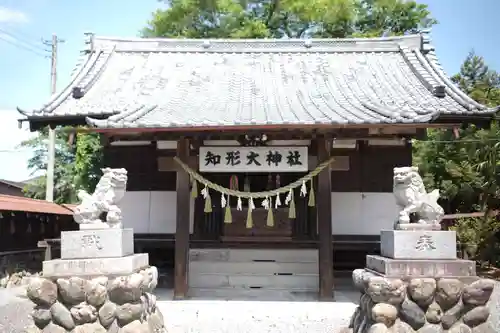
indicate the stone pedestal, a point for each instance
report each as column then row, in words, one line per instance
column 408, row 268
column 418, row 285
column 108, row 291
column 418, row 244
column 97, row 243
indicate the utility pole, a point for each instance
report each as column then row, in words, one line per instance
column 49, row 192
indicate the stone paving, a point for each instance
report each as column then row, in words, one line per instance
column 242, row 316
column 255, row 316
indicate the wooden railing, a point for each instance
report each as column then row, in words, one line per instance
column 17, row 260
column 49, row 245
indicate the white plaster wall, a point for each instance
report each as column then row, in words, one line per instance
column 152, row 212
column 355, row 213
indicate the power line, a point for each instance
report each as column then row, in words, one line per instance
column 24, row 47
column 24, row 41
column 23, row 34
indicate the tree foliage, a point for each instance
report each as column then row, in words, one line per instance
column 63, row 168
column 77, row 164
column 287, row 18
column 467, row 169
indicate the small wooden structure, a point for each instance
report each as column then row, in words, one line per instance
column 24, row 222
column 8, row 187
column 294, row 103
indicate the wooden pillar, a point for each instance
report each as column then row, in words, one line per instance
column 182, row 225
column 324, row 209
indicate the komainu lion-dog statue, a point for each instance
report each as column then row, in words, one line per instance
column 108, row 193
column 412, row 198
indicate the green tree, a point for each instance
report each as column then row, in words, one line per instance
column 478, row 80
column 63, row 167
column 467, row 169
column 88, row 160
column 77, row 164
column 287, row 18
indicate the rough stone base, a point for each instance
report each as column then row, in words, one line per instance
column 423, row 305
column 99, row 305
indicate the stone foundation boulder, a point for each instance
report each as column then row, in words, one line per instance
column 101, row 304
column 423, row 305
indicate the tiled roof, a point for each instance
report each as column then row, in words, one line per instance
column 176, row 83
column 12, row 203
column 19, row 185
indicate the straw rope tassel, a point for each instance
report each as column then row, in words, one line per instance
column 208, row 203
column 270, row 216
column 249, row 214
column 194, row 188
column 228, row 217
column 291, row 210
column 312, row 199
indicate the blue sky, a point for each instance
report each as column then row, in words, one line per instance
column 25, row 76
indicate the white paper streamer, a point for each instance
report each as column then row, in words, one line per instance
column 303, row 189
column 251, row 205
column 288, row 197
column 223, row 201
column 277, row 203
column 239, row 205
column 265, row 203
column 204, row 192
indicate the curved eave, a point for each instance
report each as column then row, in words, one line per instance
column 38, row 122
column 486, row 115
column 84, row 78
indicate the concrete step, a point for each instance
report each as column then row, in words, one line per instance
column 258, row 255
column 252, row 267
column 254, row 281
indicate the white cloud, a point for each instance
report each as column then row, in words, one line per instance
column 12, row 16
column 14, row 160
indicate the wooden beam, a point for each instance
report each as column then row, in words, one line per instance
column 182, row 225
column 324, row 209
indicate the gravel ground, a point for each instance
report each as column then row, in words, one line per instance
column 227, row 316
column 254, row 316
column 14, row 311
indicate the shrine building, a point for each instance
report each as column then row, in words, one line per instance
column 259, row 164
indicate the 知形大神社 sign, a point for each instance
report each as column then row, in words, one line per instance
column 253, row 159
